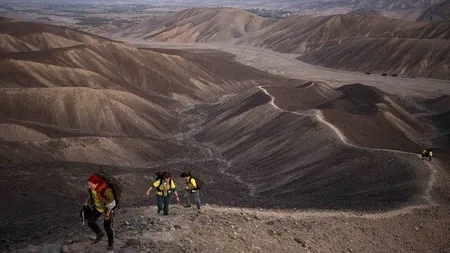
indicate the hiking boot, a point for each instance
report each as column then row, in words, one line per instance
column 111, row 248
column 99, row 237
column 187, row 206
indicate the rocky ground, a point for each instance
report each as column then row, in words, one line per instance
column 222, row 229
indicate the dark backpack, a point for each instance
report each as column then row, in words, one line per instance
column 159, row 176
column 199, row 182
column 114, row 184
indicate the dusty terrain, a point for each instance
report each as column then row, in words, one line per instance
column 325, row 166
column 287, row 66
column 363, row 43
column 223, row 229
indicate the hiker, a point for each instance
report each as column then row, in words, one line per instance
column 164, row 186
column 192, row 189
column 427, row 153
column 102, row 199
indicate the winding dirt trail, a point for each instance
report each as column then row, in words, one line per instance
column 317, row 114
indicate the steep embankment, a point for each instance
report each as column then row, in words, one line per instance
column 306, row 162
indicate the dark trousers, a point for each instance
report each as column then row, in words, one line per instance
column 163, row 203
column 94, row 215
column 426, row 155
column 195, row 195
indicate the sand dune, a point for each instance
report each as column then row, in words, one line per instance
column 47, row 41
column 305, row 160
column 200, row 25
column 11, row 44
column 100, row 112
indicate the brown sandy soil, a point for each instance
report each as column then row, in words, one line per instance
column 222, row 229
column 282, row 177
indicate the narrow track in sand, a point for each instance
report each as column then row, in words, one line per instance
column 317, row 114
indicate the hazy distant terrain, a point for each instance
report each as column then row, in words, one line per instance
column 363, row 43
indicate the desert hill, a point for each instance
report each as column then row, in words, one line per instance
column 437, row 12
column 399, row 56
column 200, row 25
column 92, row 111
column 325, row 40
column 288, row 139
column 348, row 41
column 303, row 34
column 256, row 139
column 117, row 66
column 17, row 28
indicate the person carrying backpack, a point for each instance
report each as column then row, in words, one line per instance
column 103, row 201
column 192, row 189
column 427, row 153
column 164, row 186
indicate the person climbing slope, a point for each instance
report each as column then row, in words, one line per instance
column 164, row 186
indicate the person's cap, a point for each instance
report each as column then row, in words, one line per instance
column 184, row 174
column 95, row 179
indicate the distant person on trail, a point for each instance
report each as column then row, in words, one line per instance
column 192, row 189
column 102, row 199
column 164, row 186
column 427, row 153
